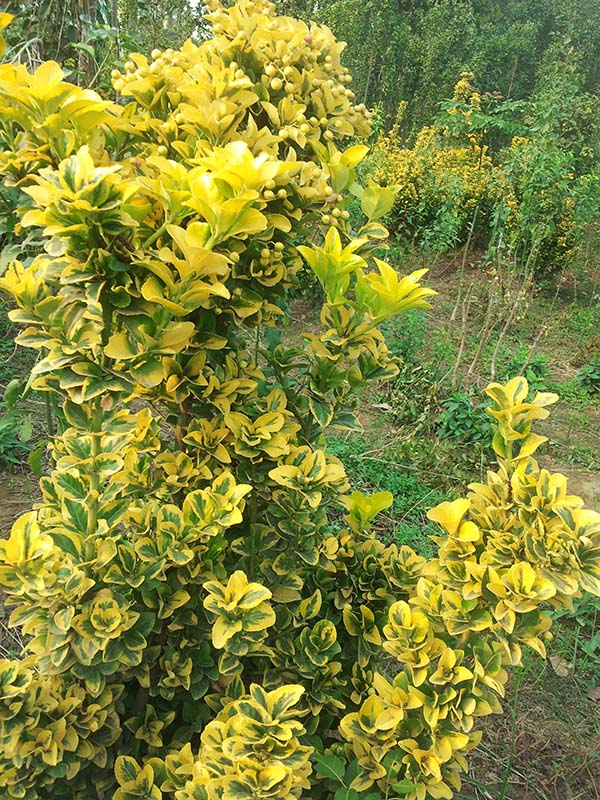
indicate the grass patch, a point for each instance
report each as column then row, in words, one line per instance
column 377, row 470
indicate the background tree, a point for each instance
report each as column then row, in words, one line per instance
column 89, row 35
column 413, row 51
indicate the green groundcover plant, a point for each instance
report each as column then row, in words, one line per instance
column 196, row 627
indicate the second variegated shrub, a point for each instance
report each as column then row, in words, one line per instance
column 203, row 607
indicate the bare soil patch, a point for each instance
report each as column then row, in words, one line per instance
column 556, row 743
column 18, row 491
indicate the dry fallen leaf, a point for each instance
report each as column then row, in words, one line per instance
column 561, row 666
column 594, row 694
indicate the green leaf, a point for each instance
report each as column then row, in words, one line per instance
column 25, row 430
column 330, row 766
column 339, row 175
column 346, row 794
column 347, row 421
column 356, row 189
column 149, row 374
column 404, row 786
column 85, row 47
column 284, row 698
column 71, row 485
column 374, row 230
column 352, row 771
column 271, row 338
column 126, row 769
column 76, row 415
column 321, row 411
column 120, row 347
column 12, row 392
column 9, row 253
column 34, row 459
column 66, row 544
column 77, row 514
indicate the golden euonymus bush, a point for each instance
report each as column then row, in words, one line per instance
column 197, row 625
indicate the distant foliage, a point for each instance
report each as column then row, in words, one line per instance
column 549, row 178
column 533, row 366
column 530, row 202
column 413, row 51
column 589, row 377
column 160, row 23
column 443, row 181
column 88, row 36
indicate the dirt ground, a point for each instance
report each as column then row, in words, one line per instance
column 556, row 743
column 18, row 491
column 584, row 483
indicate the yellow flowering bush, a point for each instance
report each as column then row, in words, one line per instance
column 204, row 608
column 442, row 180
column 530, row 201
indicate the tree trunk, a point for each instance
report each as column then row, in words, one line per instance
column 84, row 12
column 114, row 24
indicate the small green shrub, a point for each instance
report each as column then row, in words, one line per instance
column 406, row 338
column 15, row 426
column 416, row 398
column 464, row 420
column 532, row 366
column 584, row 455
column 584, row 321
column 589, row 377
column 572, row 392
column 417, row 393
column 585, row 639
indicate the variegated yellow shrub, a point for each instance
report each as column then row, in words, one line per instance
column 515, row 547
column 197, row 624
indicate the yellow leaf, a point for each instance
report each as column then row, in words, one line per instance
column 377, row 201
column 354, row 155
column 449, row 514
column 282, row 699
column 223, row 630
column 119, row 346
column 26, row 542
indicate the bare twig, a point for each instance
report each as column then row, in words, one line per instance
column 521, row 294
column 542, row 332
column 463, row 336
column 463, row 265
column 484, row 334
